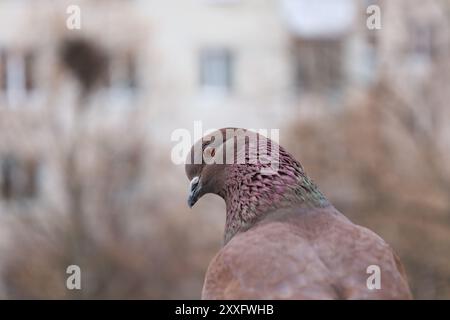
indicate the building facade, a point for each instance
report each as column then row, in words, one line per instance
column 243, row 63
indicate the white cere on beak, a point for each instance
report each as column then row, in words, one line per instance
column 194, row 181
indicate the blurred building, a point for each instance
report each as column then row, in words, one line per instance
column 213, row 57
column 246, row 63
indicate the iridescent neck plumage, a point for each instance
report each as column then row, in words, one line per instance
column 250, row 195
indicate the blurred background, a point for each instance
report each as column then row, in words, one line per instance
column 86, row 117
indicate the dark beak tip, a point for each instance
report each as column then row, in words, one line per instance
column 190, row 202
column 194, row 194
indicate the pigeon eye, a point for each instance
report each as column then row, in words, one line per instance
column 213, row 152
column 210, row 151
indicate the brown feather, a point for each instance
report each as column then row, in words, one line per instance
column 317, row 254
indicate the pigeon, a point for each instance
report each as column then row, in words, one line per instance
column 283, row 238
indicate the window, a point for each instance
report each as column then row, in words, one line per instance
column 122, row 73
column 216, row 70
column 131, row 71
column 422, row 41
column 2, row 70
column 18, row 179
column 29, row 71
column 319, row 64
column 16, row 75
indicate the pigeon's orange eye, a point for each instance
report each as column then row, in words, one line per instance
column 210, row 152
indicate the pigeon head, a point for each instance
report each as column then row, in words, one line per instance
column 204, row 179
column 205, row 174
column 253, row 174
column 211, row 160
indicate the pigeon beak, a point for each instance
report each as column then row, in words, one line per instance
column 194, row 191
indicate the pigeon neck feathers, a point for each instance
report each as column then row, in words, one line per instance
column 254, row 188
column 251, row 194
